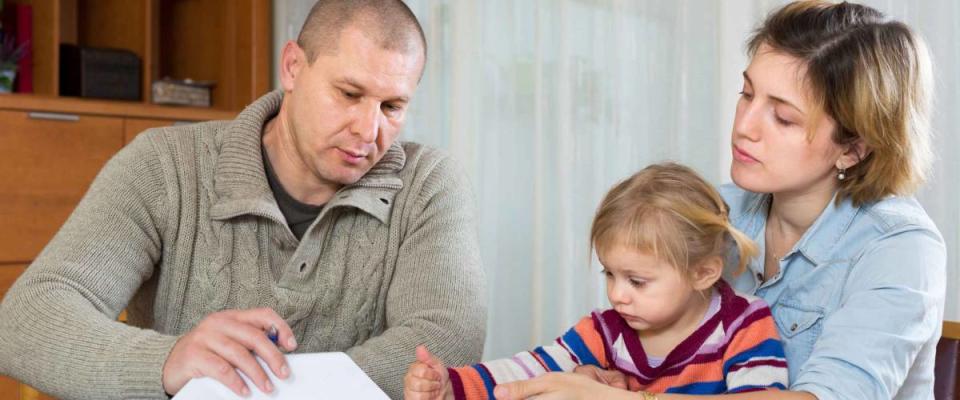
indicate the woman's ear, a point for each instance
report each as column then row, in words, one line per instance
column 707, row 273
column 853, row 153
column 292, row 61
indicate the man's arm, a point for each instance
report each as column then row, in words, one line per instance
column 57, row 324
column 437, row 294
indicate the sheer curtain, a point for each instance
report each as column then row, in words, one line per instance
column 548, row 103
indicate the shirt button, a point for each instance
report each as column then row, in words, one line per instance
column 759, row 276
column 793, row 328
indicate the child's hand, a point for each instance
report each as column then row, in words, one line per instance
column 427, row 379
column 612, row 378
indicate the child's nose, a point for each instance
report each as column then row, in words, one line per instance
column 618, row 295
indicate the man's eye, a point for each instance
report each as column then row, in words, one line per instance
column 351, row 95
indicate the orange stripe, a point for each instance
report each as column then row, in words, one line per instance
column 592, row 339
column 751, row 336
column 473, row 386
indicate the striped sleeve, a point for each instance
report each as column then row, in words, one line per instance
column 581, row 345
column 755, row 359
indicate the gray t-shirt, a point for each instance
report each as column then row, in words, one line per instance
column 299, row 215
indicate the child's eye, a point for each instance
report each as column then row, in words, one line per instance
column 637, row 283
column 606, row 273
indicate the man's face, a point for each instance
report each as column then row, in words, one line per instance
column 346, row 109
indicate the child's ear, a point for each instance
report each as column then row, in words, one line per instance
column 707, row 273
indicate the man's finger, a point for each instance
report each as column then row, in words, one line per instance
column 217, row 368
column 241, row 358
column 265, row 319
column 254, row 339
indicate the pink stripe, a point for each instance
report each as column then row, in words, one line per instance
column 779, row 362
column 735, row 326
column 522, row 365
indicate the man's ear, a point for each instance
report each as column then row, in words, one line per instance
column 292, row 60
column 853, row 153
column 708, row 272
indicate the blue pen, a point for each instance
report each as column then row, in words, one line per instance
column 272, row 334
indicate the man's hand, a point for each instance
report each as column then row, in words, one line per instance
column 427, row 379
column 613, row 378
column 226, row 341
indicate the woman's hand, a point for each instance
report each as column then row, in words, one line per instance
column 427, row 379
column 560, row 386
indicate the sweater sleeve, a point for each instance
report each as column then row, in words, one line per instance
column 58, row 328
column 437, row 293
column 581, row 345
column 754, row 359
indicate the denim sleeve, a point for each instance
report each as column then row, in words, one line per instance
column 891, row 306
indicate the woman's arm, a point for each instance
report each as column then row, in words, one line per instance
column 564, row 386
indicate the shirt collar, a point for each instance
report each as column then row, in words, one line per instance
column 817, row 242
column 240, row 182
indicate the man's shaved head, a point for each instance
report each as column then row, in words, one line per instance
column 390, row 23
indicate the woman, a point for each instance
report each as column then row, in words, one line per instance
column 830, row 139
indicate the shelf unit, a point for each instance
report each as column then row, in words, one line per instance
column 227, row 42
column 53, row 145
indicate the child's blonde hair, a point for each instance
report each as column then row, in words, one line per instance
column 671, row 212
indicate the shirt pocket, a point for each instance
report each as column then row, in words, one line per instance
column 800, row 327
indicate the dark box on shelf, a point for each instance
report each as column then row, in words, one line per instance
column 99, row 73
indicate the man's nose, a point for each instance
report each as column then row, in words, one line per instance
column 366, row 122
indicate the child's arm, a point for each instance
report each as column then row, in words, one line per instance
column 755, row 360
column 427, row 378
column 581, row 345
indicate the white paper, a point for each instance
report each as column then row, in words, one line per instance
column 312, row 376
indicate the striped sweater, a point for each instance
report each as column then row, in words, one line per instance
column 735, row 349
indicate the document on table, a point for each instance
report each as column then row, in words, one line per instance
column 312, row 376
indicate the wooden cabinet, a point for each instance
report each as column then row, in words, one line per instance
column 52, row 150
column 52, row 147
column 50, row 160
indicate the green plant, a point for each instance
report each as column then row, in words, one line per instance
column 10, row 53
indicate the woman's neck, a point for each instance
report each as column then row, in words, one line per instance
column 792, row 213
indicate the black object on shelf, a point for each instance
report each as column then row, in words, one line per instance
column 99, row 73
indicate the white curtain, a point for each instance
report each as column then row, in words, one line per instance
column 548, row 103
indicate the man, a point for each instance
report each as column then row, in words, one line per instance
column 302, row 216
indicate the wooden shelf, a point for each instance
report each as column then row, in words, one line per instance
column 227, row 42
column 38, row 103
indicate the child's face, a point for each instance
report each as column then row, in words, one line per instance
column 650, row 294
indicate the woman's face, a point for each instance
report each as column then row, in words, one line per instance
column 773, row 151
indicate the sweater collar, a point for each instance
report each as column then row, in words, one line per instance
column 240, row 182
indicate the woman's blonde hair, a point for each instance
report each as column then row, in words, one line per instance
column 671, row 212
column 873, row 77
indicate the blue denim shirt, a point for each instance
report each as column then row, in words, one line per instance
column 858, row 300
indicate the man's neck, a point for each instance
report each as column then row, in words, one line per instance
column 293, row 174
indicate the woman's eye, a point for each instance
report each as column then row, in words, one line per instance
column 746, row 95
column 782, row 121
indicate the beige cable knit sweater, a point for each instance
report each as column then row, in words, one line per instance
column 182, row 223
